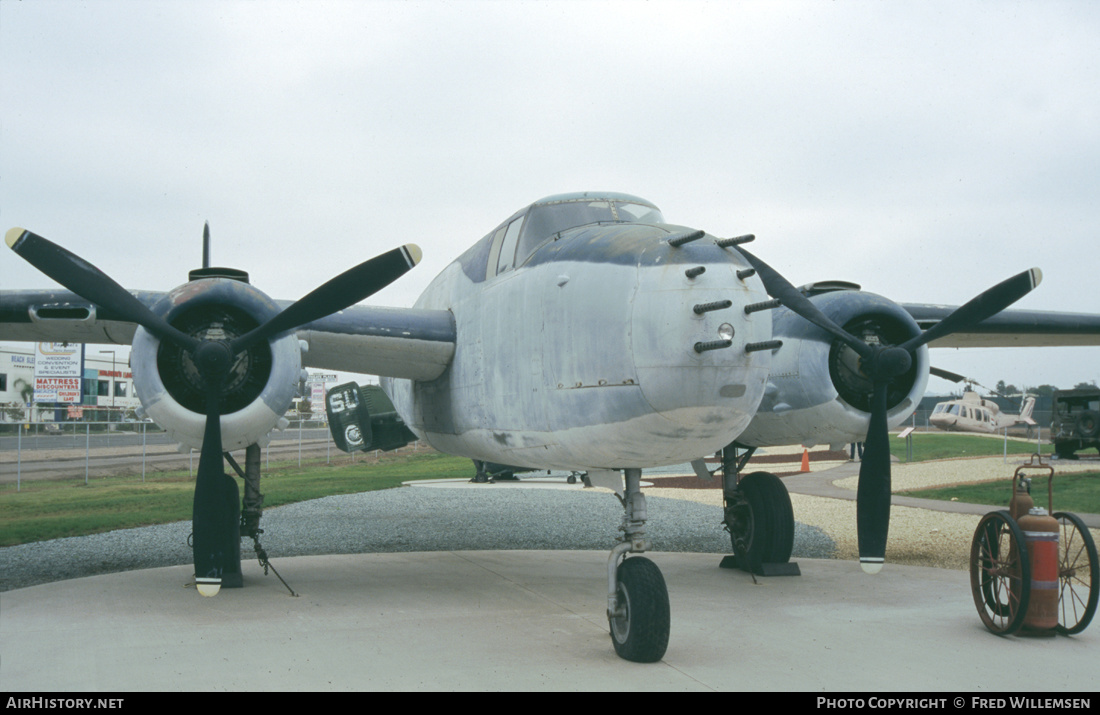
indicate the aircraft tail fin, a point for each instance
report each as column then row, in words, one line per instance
column 1025, row 411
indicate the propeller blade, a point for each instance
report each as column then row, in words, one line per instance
column 208, row 516
column 791, row 298
column 947, row 374
column 873, row 492
column 344, row 290
column 984, row 305
column 211, row 512
column 90, row 283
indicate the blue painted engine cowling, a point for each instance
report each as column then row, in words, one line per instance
column 816, row 393
column 261, row 385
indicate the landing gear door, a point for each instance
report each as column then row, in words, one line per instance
column 362, row 417
column 348, row 418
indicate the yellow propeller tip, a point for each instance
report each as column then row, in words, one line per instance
column 208, row 587
column 13, row 235
column 415, row 254
column 1036, row 277
column 871, row 567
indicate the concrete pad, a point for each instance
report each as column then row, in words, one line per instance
column 519, row 620
column 523, row 483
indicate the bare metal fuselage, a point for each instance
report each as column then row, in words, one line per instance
column 584, row 356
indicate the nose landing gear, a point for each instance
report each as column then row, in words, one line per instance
column 637, row 599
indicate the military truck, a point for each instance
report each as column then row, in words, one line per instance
column 1075, row 422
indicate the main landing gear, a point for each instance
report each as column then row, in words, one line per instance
column 758, row 517
column 637, row 599
column 249, row 513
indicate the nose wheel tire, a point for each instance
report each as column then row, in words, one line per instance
column 640, row 626
column 1077, row 574
column 1000, row 573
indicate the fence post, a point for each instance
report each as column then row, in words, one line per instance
column 87, row 449
column 19, row 457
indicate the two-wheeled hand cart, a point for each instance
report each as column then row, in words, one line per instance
column 1033, row 568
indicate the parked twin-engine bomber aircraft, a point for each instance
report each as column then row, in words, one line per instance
column 583, row 333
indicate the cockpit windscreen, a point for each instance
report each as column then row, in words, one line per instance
column 546, row 220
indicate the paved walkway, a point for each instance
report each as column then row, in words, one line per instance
column 821, row 484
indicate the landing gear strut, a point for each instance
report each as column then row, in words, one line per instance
column 637, row 599
column 251, row 511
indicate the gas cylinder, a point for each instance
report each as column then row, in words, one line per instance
column 1021, row 501
column 1041, row 534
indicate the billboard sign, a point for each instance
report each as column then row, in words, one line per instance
column 58, row 372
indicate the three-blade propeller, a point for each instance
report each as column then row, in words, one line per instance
column 882, row 364
column 212, row 517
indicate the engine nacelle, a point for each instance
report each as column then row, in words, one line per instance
column 816, row 393
column 260, row 386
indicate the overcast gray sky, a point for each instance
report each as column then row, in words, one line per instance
column 924, row 150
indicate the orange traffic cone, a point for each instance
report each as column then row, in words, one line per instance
column 805, row 460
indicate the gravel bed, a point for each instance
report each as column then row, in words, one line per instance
column 404, row 519
column 435, row 519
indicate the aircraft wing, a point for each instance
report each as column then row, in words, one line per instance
column 394, row 342
column 1012, row 328
column 60, row 316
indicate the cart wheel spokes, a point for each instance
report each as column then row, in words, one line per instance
column 1000, row 575
column 1077, row 574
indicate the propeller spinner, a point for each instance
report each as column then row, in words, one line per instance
column 212, row 513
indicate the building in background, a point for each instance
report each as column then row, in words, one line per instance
column 106, row 391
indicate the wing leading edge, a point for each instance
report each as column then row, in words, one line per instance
column 394, row 342
column 1012, row 328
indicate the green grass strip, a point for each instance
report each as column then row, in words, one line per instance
column 1078, row 492
column 942, row 445
column 43, row 510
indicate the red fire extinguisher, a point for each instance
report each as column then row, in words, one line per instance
column 1041, row 534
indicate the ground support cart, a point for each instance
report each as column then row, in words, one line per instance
column 1031, row 568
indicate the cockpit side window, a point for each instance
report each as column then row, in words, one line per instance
column 494, row 251
column 508, row 246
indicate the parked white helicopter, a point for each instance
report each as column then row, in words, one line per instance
column 973, row 413
column 583, row 333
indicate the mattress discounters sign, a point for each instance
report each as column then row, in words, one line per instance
column 58, row 368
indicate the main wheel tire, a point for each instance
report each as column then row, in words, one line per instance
column 1000, row 573
column 640, row 633
column 763, row 520
column 1065, row 450
column 1078, row 574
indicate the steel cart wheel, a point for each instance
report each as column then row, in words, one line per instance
column 1000, row 574
column 1078, row 572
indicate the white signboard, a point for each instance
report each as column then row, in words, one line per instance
column 57, row 389
column 58, row 369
